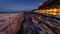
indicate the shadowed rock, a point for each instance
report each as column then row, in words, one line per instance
column 29, row 23
column 39, row 24
column 50, row 4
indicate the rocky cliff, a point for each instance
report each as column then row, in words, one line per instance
column 50, row 4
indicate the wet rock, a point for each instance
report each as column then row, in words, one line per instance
column 28, row 23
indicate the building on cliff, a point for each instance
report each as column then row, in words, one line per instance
column 49, row 7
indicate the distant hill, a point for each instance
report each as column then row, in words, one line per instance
column 50, row 4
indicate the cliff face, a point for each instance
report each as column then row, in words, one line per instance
column 50, row 4
column 49, row 7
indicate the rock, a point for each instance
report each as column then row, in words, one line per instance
column 10, row 23
column 28, row 23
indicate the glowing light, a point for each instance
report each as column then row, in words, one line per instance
column 51, row 10
column 47, row 10
column 55, row 9
column 54, row 13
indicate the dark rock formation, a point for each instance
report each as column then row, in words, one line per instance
column 50, row 4
column 39, row 24
column 29, row 23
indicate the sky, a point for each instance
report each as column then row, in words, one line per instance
column 19, row 5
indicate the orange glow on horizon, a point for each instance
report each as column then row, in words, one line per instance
column 49, row 11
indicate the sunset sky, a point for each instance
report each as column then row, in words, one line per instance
column 19, row 5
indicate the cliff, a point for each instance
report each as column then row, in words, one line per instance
column 51, row 7
column 50, row 4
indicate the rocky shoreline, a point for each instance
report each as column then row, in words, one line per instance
column 28, row 23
